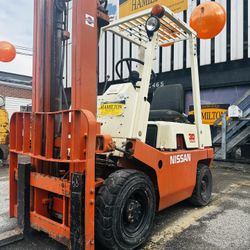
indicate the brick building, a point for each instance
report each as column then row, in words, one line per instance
column 16, row 90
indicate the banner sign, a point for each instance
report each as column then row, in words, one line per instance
column 210, row 112
column 129, row 7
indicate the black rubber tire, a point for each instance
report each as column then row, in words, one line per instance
column 202, row 193
column 112, row 201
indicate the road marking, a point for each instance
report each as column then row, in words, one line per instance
column 190, row 218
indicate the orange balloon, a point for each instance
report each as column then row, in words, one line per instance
column 208, row 19
column 7, row 52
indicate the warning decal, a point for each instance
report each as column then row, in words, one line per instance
column 89, row 20
column 111, row 109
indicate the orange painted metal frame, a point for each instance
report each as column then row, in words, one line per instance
column 175, row 182
column 80, row 153
column 84, row 55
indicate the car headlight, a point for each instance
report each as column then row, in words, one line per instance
column 152, row 24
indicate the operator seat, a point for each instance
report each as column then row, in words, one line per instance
column 168, row 104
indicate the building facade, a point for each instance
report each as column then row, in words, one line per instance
column 224, row 61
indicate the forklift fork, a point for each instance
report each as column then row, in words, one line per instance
column 23, row 199
column 31, row 184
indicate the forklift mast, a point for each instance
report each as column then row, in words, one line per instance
column 47, row 193
column 50, row 35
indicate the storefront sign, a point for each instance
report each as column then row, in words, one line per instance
column 210, row 112
column 128, row 7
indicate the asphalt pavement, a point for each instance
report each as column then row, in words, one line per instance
column 223, row 224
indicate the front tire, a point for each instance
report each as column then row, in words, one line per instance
column 125, row 209
column 203, row 189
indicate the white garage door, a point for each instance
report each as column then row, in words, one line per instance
column 13, row 104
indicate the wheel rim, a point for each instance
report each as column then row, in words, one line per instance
column 134, row 212
column 205, row 192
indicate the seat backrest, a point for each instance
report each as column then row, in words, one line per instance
column 169, row 97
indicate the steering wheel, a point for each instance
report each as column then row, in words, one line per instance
column 133, row 75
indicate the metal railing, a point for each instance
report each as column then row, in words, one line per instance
column 234, row 133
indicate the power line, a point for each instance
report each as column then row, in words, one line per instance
column 23, row 48
column 24, row 51
column 24, row 54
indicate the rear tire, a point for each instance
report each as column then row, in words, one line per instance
column 125, row 209
column 203, row 189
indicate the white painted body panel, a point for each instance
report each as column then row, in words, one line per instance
column 167, row 132
column 119, row 126
column 123, row 126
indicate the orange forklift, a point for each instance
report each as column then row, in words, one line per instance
column 101, row 167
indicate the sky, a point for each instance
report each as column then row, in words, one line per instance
column 16, row 27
